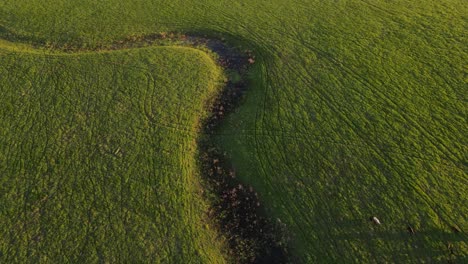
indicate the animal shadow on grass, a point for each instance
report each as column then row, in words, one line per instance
column 446, row 245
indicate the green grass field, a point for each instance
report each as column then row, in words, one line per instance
column 356, row 108
column 98, row 156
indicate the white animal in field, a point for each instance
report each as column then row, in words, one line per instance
column 375, row 220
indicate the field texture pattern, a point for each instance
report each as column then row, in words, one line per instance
column 357, row 108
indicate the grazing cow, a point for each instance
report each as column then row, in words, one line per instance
column 411, row 230
column 375, row 220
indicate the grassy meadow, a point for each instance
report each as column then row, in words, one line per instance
column 356, row 108
column 98, row 156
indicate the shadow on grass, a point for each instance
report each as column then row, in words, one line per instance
column 426, row 244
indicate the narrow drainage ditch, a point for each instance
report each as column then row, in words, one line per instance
column 236, row 209
column 252, row 237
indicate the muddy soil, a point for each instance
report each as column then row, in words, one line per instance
column 252, row 236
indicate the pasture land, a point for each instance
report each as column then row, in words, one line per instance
column 355, row 109
column 98, row 153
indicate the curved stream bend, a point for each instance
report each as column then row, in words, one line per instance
column 252, row 237
column 236, row 208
